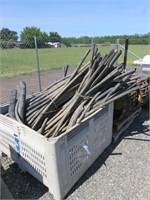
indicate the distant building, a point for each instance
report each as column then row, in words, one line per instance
column 54, row 44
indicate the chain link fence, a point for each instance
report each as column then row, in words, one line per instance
column 22, row 62
column 34, row 63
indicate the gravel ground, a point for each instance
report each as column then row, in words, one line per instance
column 122, row 172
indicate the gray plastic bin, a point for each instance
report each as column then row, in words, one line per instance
column 58, row 162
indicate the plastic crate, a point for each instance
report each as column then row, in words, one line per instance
column 58, row 162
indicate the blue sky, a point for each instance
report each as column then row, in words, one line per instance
column 77, row 17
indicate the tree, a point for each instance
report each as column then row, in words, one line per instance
column 54, row 37
column 45, row 37
column 7, row 34
column 27, row 37
column 66, row 42
column 8, row 38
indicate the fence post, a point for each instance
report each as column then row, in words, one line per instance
column 37, row 61
column 65, row 70
column 117, row 44
column 125, row 53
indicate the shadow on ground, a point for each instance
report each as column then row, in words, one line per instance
column 22, row 185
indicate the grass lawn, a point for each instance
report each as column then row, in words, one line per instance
column 23, row 61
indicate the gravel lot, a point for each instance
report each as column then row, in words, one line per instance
column 122, row 172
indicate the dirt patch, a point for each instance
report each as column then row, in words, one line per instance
column 32, row 82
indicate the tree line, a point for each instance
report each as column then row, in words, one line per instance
column 9, row 38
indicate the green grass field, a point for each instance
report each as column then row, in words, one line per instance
column 16, row 62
